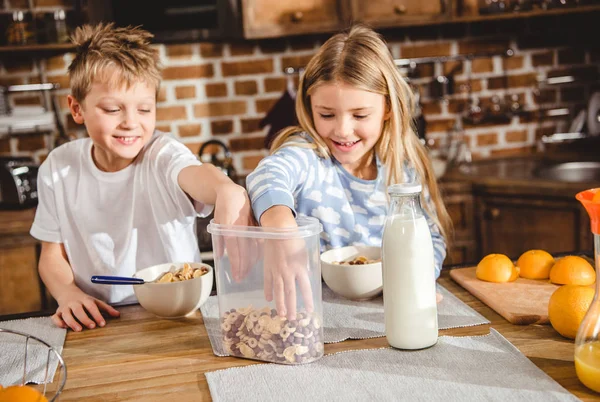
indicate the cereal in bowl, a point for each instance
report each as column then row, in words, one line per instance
column 184, row 273
column 360, row 260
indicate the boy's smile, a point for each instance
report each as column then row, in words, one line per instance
column 119, row 120
column 350, row 121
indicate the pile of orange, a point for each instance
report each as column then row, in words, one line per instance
column 569, row 303
column 21, row 393
column 536, row 264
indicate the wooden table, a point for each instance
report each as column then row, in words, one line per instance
column 139, row 357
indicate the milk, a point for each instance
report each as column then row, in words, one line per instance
column 409, row 283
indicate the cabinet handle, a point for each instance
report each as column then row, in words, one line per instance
column 297, row 16
column 400, row 9
column 492, row 214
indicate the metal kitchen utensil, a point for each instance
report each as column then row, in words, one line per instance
column 225, row 164
column 30, row 340
column 593, row 115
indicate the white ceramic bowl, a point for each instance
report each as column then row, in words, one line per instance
column 173, row 299
column 355, row 282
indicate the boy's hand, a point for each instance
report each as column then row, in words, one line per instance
column 75, row 309
column 286, row 263
column 233, row 207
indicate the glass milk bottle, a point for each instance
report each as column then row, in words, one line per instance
column 409, row 298
column 587, row 341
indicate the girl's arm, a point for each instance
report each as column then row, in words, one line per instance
column 277, row 181
column 273, row 188
column 74, row 306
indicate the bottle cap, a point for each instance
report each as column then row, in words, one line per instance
column 405, row 188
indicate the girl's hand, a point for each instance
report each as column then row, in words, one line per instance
column 285, row 264
column 233, row 207
column 75, row 309
column 438, row 297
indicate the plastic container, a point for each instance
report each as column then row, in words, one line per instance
column 409, row 299
column 250, row 325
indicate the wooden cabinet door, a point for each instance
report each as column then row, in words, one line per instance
column 267, row 18
column 20, row 290
column 382, row 13
column 458, row 199
column 512, row 225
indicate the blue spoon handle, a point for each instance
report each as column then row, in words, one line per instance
column 116, row 280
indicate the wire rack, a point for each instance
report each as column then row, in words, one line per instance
column 61, row 376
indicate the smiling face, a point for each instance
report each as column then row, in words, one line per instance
column 350, row 121
column 120, row 121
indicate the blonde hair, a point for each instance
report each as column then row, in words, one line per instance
column 360, row 58
column 103, row 49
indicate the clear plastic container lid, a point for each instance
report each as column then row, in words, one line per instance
column 306, row 227
column 405, row 188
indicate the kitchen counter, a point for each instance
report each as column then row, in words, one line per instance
column 141, row 357
column 514, row 176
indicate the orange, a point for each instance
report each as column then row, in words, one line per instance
column 596, row 197
column 567, row 307
column 535, row 264
column 496, row 268
column 21, row 393
column 572, row 270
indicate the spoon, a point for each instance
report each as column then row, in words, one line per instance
column 118, row 280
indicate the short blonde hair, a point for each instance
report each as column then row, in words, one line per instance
column 360, row 58
column 103, row 49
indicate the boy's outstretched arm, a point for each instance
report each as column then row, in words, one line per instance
column 74, row 306
column 210, row 186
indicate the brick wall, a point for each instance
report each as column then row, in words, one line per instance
column 222, row 90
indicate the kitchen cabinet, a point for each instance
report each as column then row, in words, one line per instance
column 388, row 13
column 265, row 18
column 513, row 224
column 458, row 199
column 20, row 287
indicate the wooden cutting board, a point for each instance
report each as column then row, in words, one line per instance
column 522, row 302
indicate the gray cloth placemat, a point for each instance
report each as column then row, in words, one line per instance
column 346, row 319
column 12, row 350
column 480, row 368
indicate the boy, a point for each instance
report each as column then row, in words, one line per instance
column 127, row 197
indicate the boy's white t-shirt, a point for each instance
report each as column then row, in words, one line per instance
column 121, row 222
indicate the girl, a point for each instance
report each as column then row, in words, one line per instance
column 355, row 138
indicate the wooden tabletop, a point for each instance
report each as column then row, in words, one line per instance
column 139, row 357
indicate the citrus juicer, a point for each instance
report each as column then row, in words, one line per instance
column 587, row 341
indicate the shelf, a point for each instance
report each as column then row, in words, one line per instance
column 35, row 48
column 494, row 17
column 527, row 14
